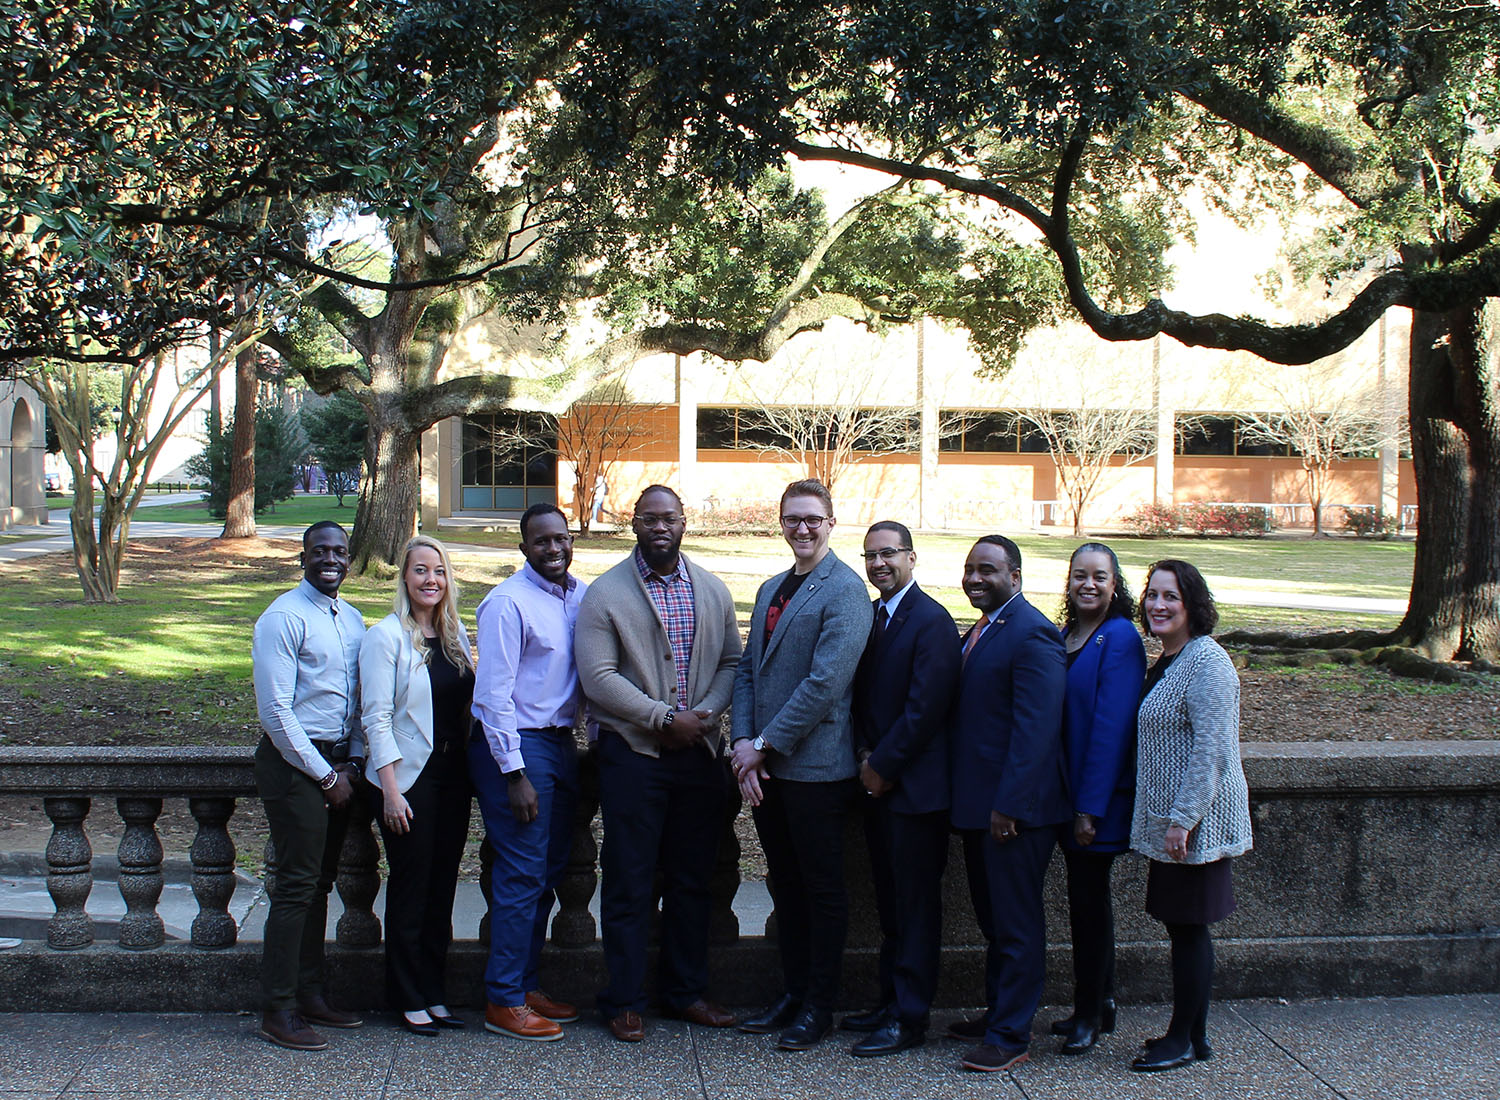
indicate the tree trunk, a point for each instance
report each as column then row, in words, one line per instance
column 1452, row 612
column 239, row 519
column 386, row 517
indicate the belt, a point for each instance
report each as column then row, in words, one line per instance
column 557, row 730
column 334, row 752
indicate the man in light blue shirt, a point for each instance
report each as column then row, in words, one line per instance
column 306, row 668
column 524, row 766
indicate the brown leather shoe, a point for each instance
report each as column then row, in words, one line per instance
column 557, row 1011
column 519, row 1022
column 315, row 1010
column 287, row 1029
column 705, row 1014
column 628, row 1027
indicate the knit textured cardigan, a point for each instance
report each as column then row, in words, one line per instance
column 1188, row 769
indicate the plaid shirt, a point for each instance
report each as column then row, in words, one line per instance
column 673, row 597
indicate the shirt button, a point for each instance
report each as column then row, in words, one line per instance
column 666, row 656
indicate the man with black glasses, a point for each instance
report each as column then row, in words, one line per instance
column 794, row 756
column 657, row 644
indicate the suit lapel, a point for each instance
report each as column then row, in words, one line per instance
column 991, row 632
column 804, row 595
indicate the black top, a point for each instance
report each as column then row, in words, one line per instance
column 452, row 696
column 784, row 594
column 1157, row 671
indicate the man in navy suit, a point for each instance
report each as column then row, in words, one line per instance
column 1009, row 791
column 903, row 692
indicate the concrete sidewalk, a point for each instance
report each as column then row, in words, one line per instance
column 1432, row 1048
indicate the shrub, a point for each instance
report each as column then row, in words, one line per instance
column 734, row 519
column 1235, row 520
column 1153, row 521
column 279, row 443
column 1367, row 523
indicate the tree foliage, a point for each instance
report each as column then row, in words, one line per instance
column 336, row 427
column 279, row 444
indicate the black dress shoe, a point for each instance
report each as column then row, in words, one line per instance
column 871, row 1019
column 448, row 1021
column 970, row 1030
column 807, row 1030
column 1202, row 1052
column 1107, row 1014
column 426, row 1027
column 778, row 1016
column 1085, row 1034
column 1162, row 1055
column 893, row 1038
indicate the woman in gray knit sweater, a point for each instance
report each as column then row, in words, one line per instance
column 1192, row 808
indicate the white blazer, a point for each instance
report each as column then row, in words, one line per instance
column 395, row 702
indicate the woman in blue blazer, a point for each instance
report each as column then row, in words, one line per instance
column 1106, row 668
column 416, row 680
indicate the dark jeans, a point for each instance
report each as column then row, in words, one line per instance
column 307, row 837
column 1005, row 883
column 529, row 858
column 801, row 829
column 666, row 810
column 907, row 855
column 1091, row 915
column 423, row 877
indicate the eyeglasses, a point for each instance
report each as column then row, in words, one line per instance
column 812, row 523
column 650, row 522
column 886, row 555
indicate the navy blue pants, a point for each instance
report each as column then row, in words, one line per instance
column 907, row 855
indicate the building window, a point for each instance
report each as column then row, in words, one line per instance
column 509, row 462
column 1206, row 435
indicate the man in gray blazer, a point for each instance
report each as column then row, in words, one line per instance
column 794, row 756
column 657, row 643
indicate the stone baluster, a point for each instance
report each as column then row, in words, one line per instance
column 723, row 925
column 212, row 855
column 574, row 925
column 359, row 880
column 70, row 875
column 140, row 874
column 487, row 886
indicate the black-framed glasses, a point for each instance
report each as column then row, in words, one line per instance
column 651, row 521
column 887, row 554
column 812, row 523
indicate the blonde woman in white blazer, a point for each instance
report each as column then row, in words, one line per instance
column 416, row 671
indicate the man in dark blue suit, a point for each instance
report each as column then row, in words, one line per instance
column 903, row 692
column 1009, row 790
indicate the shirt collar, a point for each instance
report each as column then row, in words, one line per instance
column 891, row 604
column 646, row 572
column 320, row 600
column 558, row 590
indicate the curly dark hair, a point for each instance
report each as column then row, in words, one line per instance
column 1121, row 604
column 1203, row 616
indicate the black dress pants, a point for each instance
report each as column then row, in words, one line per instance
column 907, row 855
column 667, row 809
column 1091, row 915
column 801, row 829
column 423, row 878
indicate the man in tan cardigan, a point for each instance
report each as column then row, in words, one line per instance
column 657, row 643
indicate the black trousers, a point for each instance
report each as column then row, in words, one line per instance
column 667, row 811
column 1091, row 915
column 423, row 878
column 907, row 855
column 307, row 837
column 801, row 829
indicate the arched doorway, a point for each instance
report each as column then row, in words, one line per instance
column 25, row 465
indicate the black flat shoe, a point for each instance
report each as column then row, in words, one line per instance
column 780, row 1015
column 1085, row 1034
column 1108, row 1011
column 893, row 1038
column 427, row 1029
column 1202, row 1052
column 871, row 1019
column 452, row 1022
column 810, row 1027
column 1162, row 1056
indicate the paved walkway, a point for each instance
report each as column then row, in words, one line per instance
column 1419, row 1048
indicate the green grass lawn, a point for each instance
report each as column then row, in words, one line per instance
column 302, row 510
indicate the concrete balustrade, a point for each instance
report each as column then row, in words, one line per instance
column 1376, row 871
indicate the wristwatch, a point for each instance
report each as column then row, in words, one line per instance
column 759, row 744
column 666, row 722
column 329, row 781
column 515, row 776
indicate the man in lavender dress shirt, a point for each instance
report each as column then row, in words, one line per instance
column 524, row 767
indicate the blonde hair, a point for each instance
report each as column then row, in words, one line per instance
column 450, row 629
